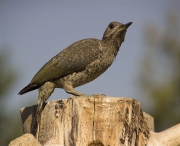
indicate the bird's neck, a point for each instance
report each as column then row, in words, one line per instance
column 112, row 45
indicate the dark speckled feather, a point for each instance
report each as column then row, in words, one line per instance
column 74, row 58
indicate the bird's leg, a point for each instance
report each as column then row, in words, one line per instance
column 76, row 93
column 45, row 92
column 69, row 89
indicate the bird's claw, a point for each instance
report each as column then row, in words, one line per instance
column 71, row 98
column 97, row 95
column 75, row 97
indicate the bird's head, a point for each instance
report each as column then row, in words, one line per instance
column 116, row 31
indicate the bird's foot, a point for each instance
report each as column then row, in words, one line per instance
column 71, row 98
column 75, row 97
column 97, row 95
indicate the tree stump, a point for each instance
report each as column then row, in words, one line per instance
column 95, row 121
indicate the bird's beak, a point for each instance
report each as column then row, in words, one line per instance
column 124, row 28
column 127, row 25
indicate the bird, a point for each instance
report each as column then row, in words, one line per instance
column 78, row 64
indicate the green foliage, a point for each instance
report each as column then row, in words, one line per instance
column 7, row 76
column 10, row 127
column 160, row 72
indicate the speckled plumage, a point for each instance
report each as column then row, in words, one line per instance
column 78, row 64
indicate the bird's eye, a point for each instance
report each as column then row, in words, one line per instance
column 111, row 26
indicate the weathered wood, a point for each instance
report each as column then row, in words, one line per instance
column 25, row 140
column 89, row 120
column 95, row 121
column 169, row 137
column 150, row 121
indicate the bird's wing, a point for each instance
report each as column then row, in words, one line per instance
column 74, row 58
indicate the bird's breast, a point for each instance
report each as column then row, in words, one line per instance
column 90, row 72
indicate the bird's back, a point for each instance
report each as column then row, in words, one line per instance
column 74, row 58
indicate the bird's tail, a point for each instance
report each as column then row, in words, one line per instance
column 29, row 88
